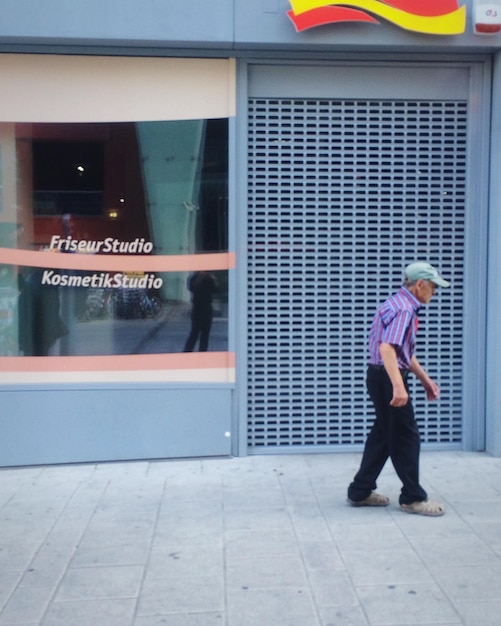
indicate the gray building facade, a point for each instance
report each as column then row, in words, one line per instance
column 257, row 174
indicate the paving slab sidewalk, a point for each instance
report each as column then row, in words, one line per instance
column 251, row 541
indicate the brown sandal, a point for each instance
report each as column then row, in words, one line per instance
column 426, row 507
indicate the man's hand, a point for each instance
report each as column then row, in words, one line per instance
column 432, row 390
column 400, row 396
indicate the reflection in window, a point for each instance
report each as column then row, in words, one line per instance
column 155, row 188
column 68, row 178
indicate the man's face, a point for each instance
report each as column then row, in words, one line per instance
column 425, row 290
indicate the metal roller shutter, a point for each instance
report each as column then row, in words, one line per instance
column 342, row 195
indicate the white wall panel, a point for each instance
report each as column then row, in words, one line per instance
column 58, row 88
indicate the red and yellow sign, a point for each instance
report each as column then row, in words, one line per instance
column 434, row 17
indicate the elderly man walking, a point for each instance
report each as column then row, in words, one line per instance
column 395, row 433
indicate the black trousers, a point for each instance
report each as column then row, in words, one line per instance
column 394, row 435
column 201, row 324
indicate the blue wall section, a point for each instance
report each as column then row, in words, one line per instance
column 259, row 24
column 86, row 425
column 181, row 23
column 262, row 24
column 493, row 368
column 207, row 25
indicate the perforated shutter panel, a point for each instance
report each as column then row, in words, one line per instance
column 342, row 195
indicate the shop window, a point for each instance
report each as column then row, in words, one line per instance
column 126, row 195
column 68, row 178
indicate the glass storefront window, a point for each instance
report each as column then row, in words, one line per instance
column 112, row 209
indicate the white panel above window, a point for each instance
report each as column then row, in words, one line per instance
column 58, row 88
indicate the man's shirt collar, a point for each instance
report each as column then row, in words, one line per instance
column 416, row 305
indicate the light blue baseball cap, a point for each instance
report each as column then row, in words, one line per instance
column 423, row 270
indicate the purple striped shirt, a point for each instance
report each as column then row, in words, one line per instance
column 396, row 323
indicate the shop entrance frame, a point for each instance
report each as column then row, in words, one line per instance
column 286, row 357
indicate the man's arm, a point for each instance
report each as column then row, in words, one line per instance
column 389, row 356
column 431, row 388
